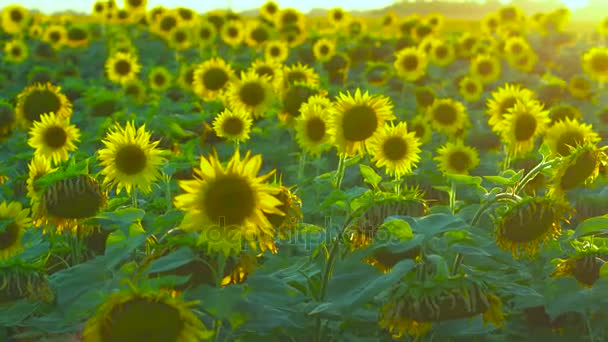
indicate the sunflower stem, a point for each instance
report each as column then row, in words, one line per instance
column 168, row 197
column 337, row 181
column 532, row 173
column 301, row 165
column 134, row 198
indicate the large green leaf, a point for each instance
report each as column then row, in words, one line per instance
column 591, row 226
column 370, row 176
column 435, row 224
column 172, row 260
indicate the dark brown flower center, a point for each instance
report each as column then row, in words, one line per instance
column 9, row 236
column 215, row 79
column 569, row 139
column 220, row 202
column 525, row 127
column 579, row 171
column 315, row 129
column 485, row 68
column 131, row 159
column 55, row 137
column 16, row 16
column 252, row 94
column 122, row 67
column 445, row 114
column 395, row 148
column 460, row 161
column 599, row 62
column 359, row 122
column 409, row 63
column 73, row 198
column 233, row 126
column 40, row 102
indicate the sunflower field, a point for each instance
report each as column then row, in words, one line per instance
column 174, row 176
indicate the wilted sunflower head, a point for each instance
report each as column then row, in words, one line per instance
column 396, row 149
column 234, row 125
column 209, row 203
column 456, row 158
column 137, row 315
column 291, row 206
column 565, row 135
column 251, row 93
column 356, row 118
column 529, row 223
column 584, row 267
column 53, row 137
column 39, row 99
column 130, row 159
column 595, row 63
column 66, row 200
column 580, row 167
column 413, row 311
column 211, row 78
column 411, row 63
column 24, row 280
column 14, row 220
column 447, row 116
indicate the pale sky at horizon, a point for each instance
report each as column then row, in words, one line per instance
column 237, row 5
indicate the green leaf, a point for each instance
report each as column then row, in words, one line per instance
column 172, row 261
column 13, row 313
column 441, row 266
column 591, row 226
column 604, row 271
column 464, row 179
column 435, row 224
column 118, row 219
column 5, row 223
column 370, row 176
column 398, row 228
column 500, row 180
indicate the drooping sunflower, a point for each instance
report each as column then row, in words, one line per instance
column 312, row 127
column 584, row 266
column 568, row 134
column 233, row 33
column 291, row 206
column 251, row 93
column 529, row 223
column 66, row 201
column 522, row 124
column 53, row 137
column 595, row 63
column 130, row 159
column 15, row 51
column 55, row 35
column 470, row 88
column 502, row 100
column 234, row 125
column 356, row 119
column 14, row 220
column 159, row 78
column 486, row 68
column 580, row 167
column 447, row 116
column 39, row 99
column 77, row 36
column 211, row 79
column 276, row 51
column 211, row 210
column 122, row 67
column 299, row 73
column 37, row 167
column 14, row 19
column 395, row 149
column 324, row 49
column 411, row 63
column 135, row 315
column 456, row 158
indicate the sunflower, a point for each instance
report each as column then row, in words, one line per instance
column 65, row 202
column 137, row 315
column 257, row 33
column 39, row 99
column 324, row 49
column 291, row 206
column 503, row 99
column 299, row 73
column 356, row 119
column 55, row 35
column 15, row 51
column 251, row 93
column 37, row 167
column 53, row 137
column 271, row 69
column 579, row 86
column 159, row 78
column 470, row 88
column 205, row 33
column 568, row 134
column 122, row 67
column 515, row 47
column 356, row 28
column 130, row 159
column 486, row 68
column 234, row 125
column 233, row 33
column 8, row 121
column 456, row 158
column 442, row 52
column 447, row 116
column 276, row 51
column 522, row 124
column 312, row 126
column 211, row 78
column 289, row 17
column 211, row 210
column 395, row 149
column 185, row 77
column 526, row 62
column 269, row 11
column 77, row 36
column 421, row 128
column 135, row 89
column 14, row 19
column 529, row 223
column 13, row 222
column 584, row 267
column 180, row 38
column 595, row 63
column 411, row 63
column 565, row 111
column 136, row 5
column 425, row 96
column 580, row 167
column 292, row 99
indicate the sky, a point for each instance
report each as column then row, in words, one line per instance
column 50, row 6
